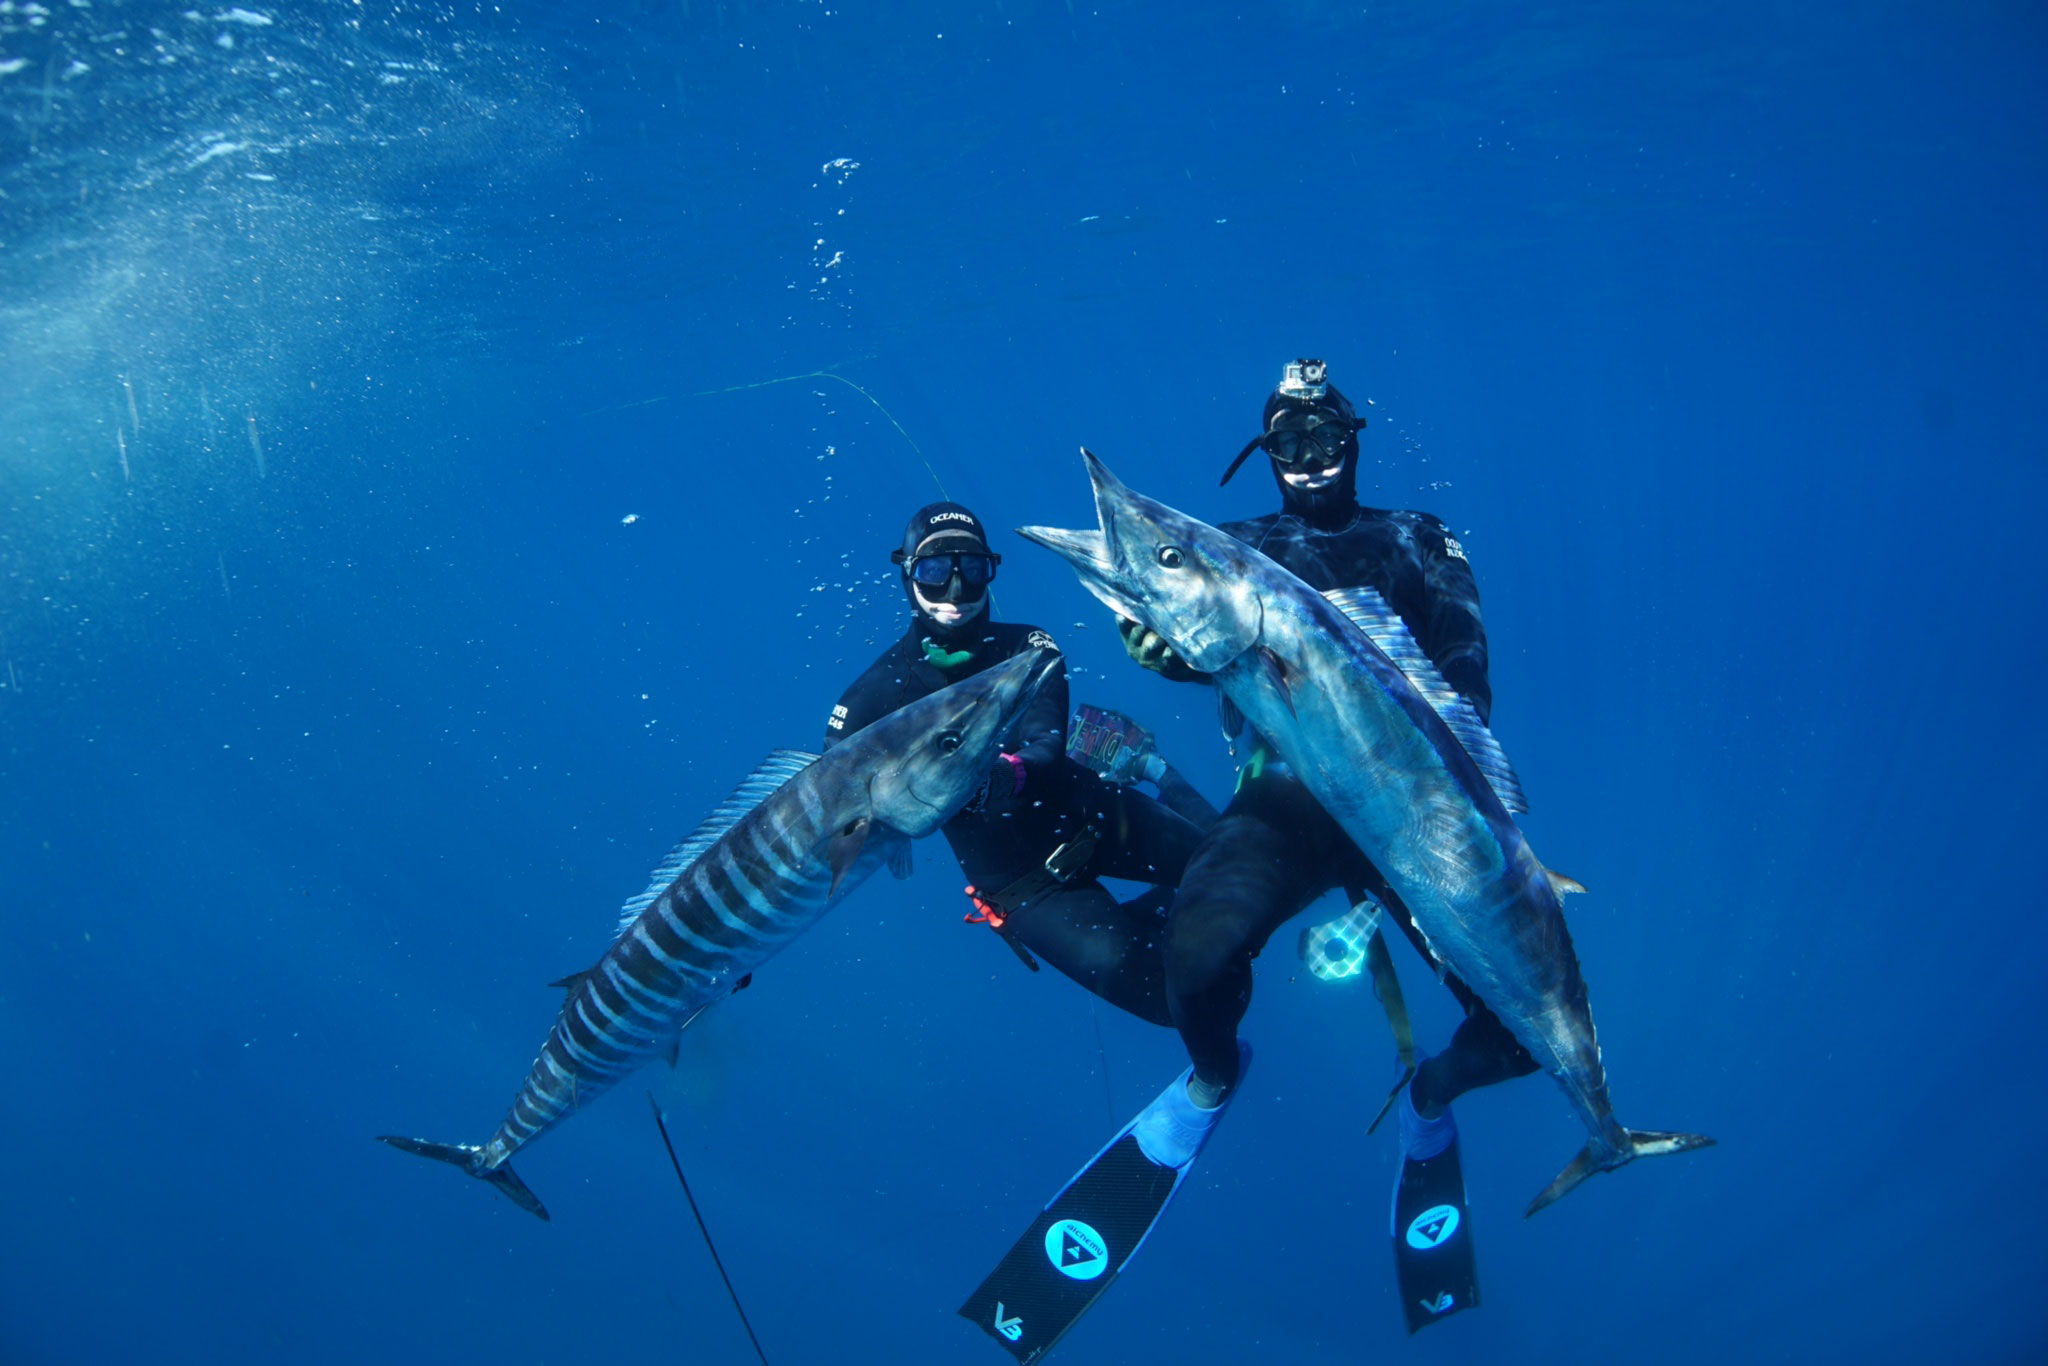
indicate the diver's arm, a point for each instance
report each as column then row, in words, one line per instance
column 1181, row 797
column 1451, row 631
column 871, row 697
column 1042, row 733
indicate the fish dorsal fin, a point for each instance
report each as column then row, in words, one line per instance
column 572, row 981
column 1368, row 611
column 778, row 768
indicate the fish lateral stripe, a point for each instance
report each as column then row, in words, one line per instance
column 586, row 1066
column 777, row 892
column 621, row 1018
column 787, row 866
column 727, row 901
column 623, row 971
column 619, row 995
column 684, row 924
column 752, row 908
column 586, row 1043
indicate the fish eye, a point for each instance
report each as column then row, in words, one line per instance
column 1171, row 556
column 948, row 741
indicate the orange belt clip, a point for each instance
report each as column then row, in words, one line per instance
column 985, row 912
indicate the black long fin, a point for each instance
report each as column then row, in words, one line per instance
column 662, row 1124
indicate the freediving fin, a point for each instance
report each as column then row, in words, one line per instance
column 1434, row 1265
column 1081, row 1242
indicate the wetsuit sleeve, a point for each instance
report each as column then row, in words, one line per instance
column 1454, row 635
column 862, row 705
column 1042, row 734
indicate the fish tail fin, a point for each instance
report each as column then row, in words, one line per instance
column 470, row 1158
column 1601, row 1157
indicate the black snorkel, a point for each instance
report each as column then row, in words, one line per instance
column 1242, row 456
column 1304, row 388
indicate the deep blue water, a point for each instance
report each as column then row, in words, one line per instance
column 342, row 702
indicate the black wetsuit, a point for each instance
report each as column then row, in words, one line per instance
column 1274, row 850
column 1112, row 948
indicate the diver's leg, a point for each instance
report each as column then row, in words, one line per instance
column 1482, row 1053
column 1138, row 838
column 1114, row 950
column 1263, row 860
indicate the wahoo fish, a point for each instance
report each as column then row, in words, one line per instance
column 789, row 844
column 1340, row 689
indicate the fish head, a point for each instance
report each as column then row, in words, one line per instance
column 940, row 748
column 1192, row 584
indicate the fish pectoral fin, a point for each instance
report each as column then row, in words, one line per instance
column 845, row 849
column 1562, row 886
column 675, row 1045
column 1276, row 673
column 899, row 861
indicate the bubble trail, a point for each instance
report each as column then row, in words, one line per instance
column 256, row 445
column 134, row 417
column 121, row 444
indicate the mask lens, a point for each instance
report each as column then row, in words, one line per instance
column 1314, row 448
column 934, row 570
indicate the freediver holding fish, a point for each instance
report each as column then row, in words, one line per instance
column 1399, row 764
column 1276, row 850
column 1044, row 830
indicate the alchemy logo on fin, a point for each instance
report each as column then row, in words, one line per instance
column 1431, row 1227
column 1438, row 1305
column 1076, row 1250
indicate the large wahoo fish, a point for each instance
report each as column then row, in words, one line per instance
column 785, row 848
column 1339, row 687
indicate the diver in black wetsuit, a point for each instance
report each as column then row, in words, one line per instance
column 1274, row 850
column 1039, row 804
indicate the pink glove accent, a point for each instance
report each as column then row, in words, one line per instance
column 1017, row 773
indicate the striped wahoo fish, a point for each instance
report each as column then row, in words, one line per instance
column 1341, row 690
column 787, row 846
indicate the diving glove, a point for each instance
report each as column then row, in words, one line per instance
column 1151, row 651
